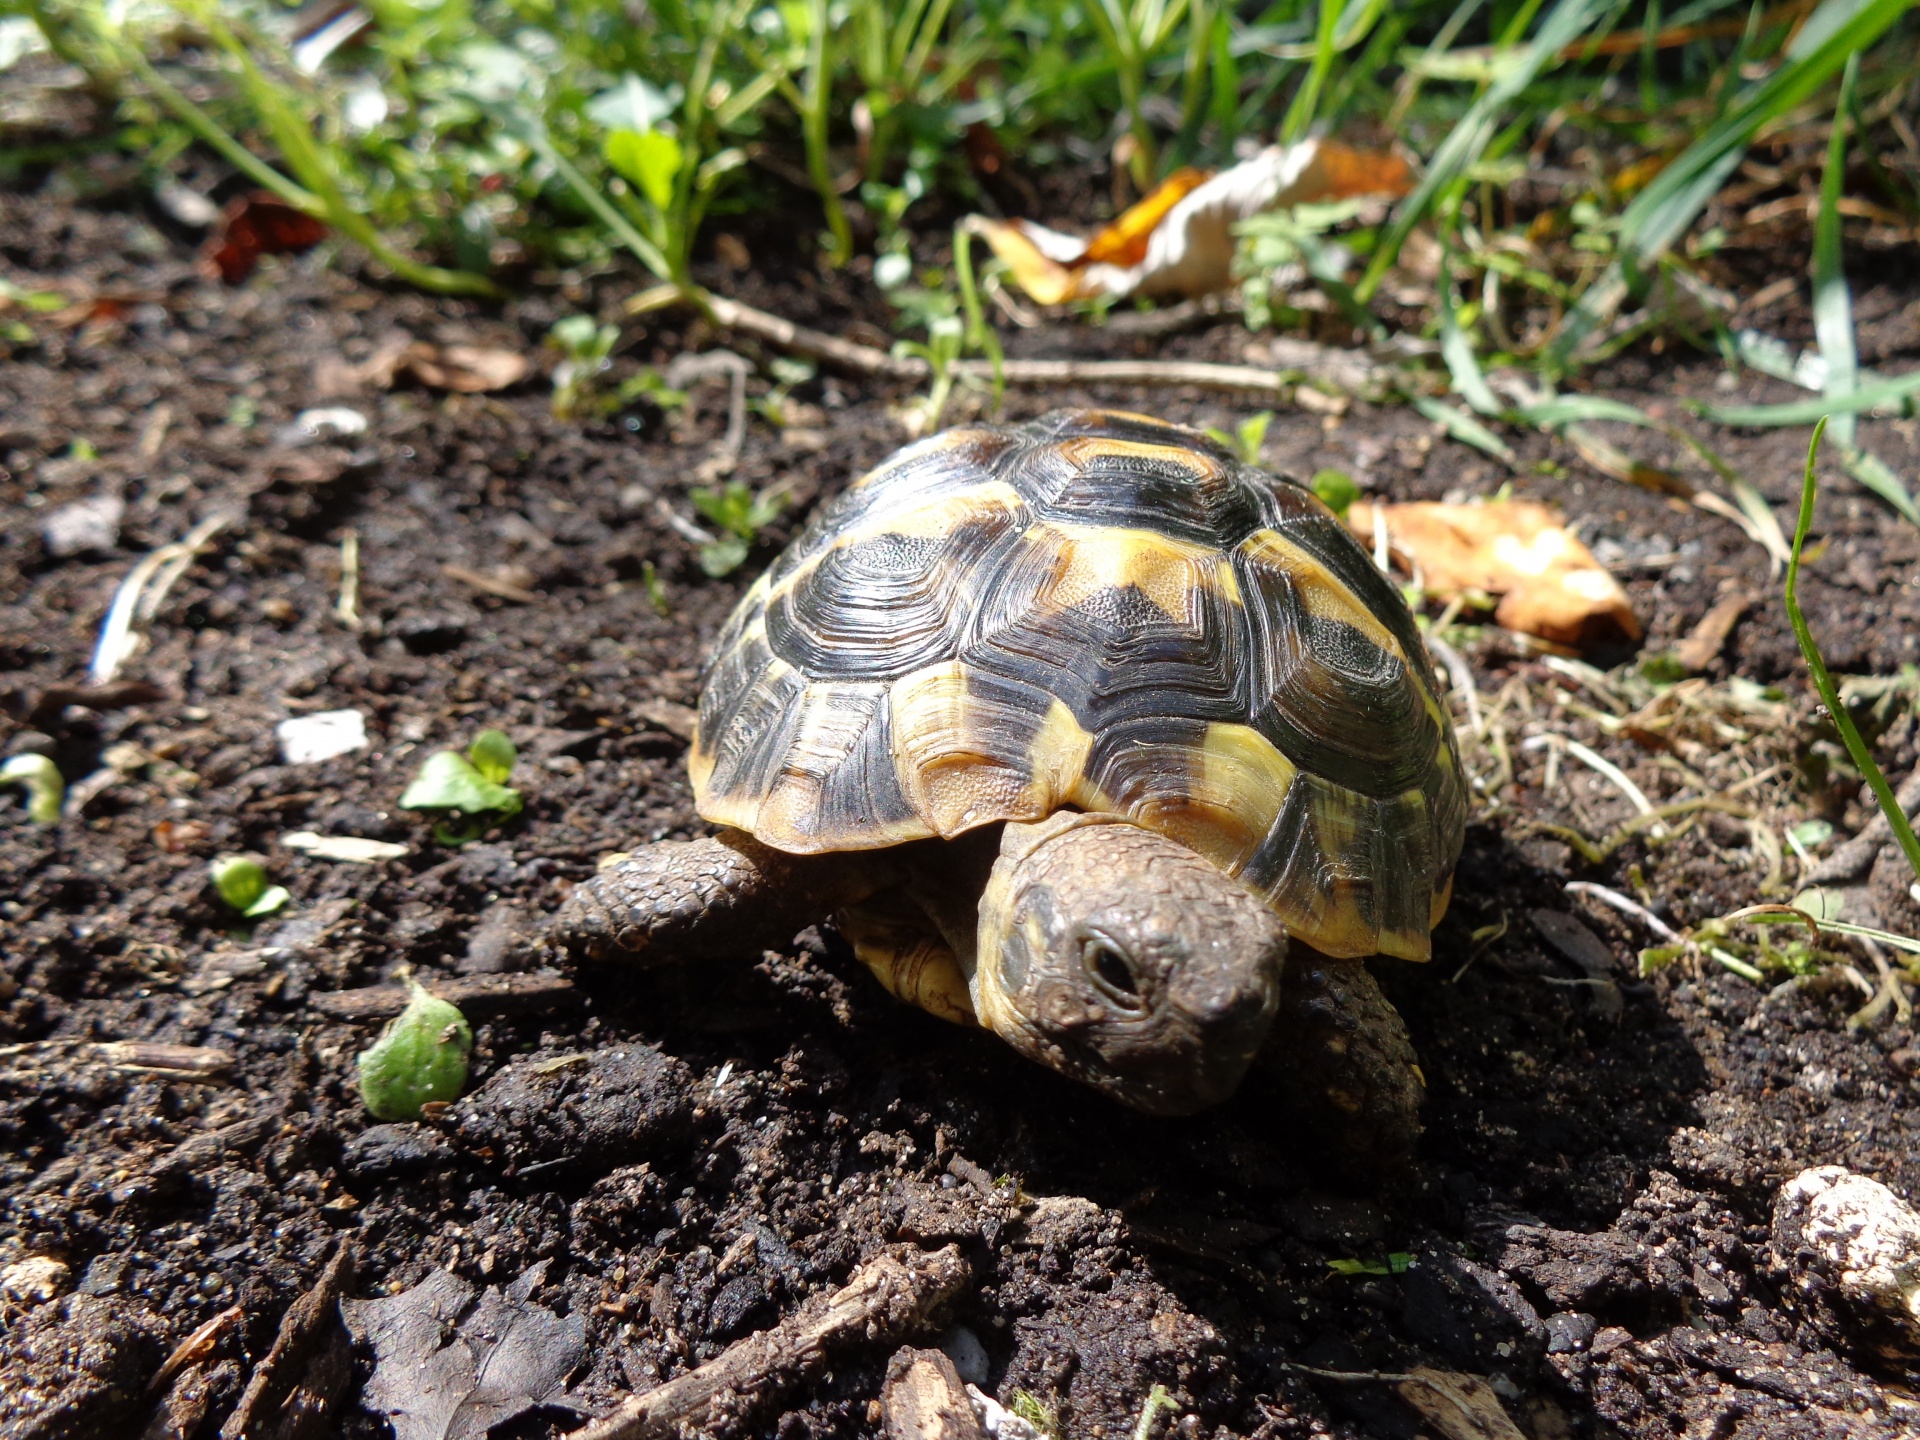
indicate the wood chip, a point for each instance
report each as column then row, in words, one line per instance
column 1707, row 639
column 293, row 1392
column 1460, row 1407
column 924, row 1399
column 187, row 1062
column 678, row 721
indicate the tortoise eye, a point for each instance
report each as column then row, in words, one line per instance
column 1110, row 972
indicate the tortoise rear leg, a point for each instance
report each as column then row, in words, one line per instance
column 724, row 895
column 893, row 937
column 1340, row 1060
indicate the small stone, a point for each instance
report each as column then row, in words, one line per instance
column 35, row 1280
column 85, row 526
column 600, row 1110
column 1569, row 1332
column 1852, row 1250
column 969, row 1356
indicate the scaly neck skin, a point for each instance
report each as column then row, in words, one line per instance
column 1114, row 955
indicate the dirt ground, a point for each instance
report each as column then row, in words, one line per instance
column 692, row 1155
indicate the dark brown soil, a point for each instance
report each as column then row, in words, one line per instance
column 1588, row 1215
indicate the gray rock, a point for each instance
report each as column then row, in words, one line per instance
column 381, row 1151
column 1851, row 1250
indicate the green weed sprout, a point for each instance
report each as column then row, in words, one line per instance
column 1337, row 490
column 473, row 784
column 1248, row 439
column 242, row 885
column 742, row 515
column 584, row 348
column 45, row 789
column 421, row 1057
column 1823, row 681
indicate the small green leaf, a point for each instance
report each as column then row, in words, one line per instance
column 420, row 1057
column 1337, row 490
column 449, row 781
column 723, row 556
column 45, row 789
column 648, row 160
column 493, row 755
column 1812, row 833
column 1662, row 667
column 242, row 885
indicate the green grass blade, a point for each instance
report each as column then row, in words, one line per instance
column 1568, row 20
column 531, row 132
column 1806, row 412
column 1832, row 299
column 1457, row 350
column 1464, row 428
column 1823, row 682
column 1661, row 213
column 1874, row 474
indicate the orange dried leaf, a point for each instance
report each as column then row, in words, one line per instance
column 1180, row 241
column 256, row 225
column 1124, row 242
column 1549, row 584
column 468, row 369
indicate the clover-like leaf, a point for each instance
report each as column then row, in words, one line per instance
column 450, row 781
column 242, row 884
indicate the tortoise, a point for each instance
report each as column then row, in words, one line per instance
column 1073, row 725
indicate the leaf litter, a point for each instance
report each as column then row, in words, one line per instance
column 451, row 1362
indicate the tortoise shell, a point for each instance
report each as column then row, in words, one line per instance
column 1102, row 612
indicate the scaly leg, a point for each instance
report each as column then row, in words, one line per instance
column 725, row 895
column 1339, row 1059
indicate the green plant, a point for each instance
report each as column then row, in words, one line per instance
column 419, row 1059
column 242, row 886
column 584, row 348
column 44, row 786
column 1249, row 437
column 741, row 515
column 1823, row 681
column 1337, row 490
column 474, row 784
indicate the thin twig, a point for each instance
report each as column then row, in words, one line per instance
column 861, row 359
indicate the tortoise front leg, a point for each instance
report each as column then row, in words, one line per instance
column 1341, row 1062
column 725, row 895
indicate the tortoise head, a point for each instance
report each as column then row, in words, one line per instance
column 1118, row 957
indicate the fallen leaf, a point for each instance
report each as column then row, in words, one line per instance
column 256, row 225
column 1460, row 1407
column 1179, row 240
column 468, row 369
column 1549, row 584
column 446, row 1367
column 350, row 849
column 1707, row 639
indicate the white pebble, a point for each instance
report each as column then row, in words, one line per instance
column 307, row 738
column 1864, row 1239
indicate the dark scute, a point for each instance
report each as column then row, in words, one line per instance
column 888, row 604
column 1334, row 703
column 1082, row 485
column 860, row 791
column 1292, row 862
column 1317, row 532
column 1145, row 761
column 1116, row 655
column 613, row 1107
column 749, row 735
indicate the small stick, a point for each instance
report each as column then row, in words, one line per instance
column 1626, row 907
column 869, row 360
column 489, row 585
column 886, row 1298
column 477, row 995
column 347, row 609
